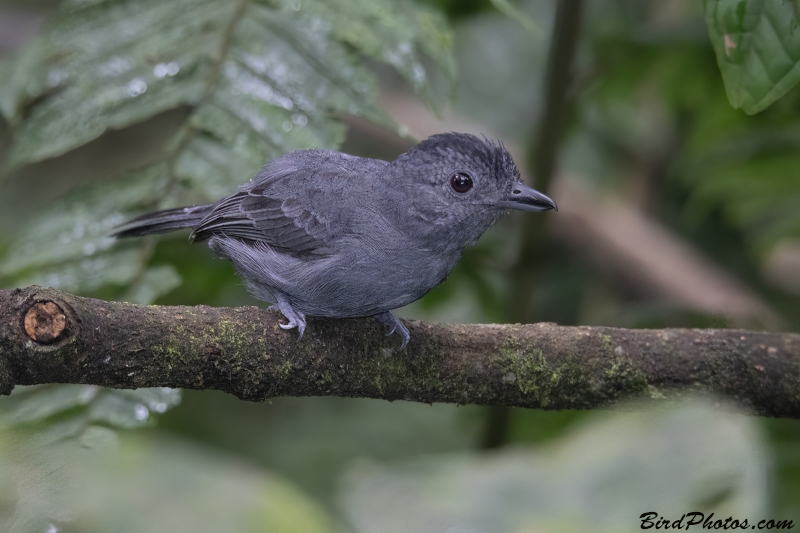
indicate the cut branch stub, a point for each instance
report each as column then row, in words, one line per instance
column 45, row 322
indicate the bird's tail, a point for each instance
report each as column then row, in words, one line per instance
column 163, row 221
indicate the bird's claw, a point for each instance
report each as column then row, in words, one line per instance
column 397, row 326
column 296, row 318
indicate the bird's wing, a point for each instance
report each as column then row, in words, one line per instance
column 284, row 207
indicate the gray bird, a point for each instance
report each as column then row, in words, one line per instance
column 322, row 233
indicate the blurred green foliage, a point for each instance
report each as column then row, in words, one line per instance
column 120, row 107
column 240, row 82
column 261, row 79
column 601, row 477
column 757, row 47
column 54, row 484
column 644, row 106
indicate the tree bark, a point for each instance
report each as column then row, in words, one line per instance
column 49, row 336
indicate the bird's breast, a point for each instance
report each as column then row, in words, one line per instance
column 369, row 276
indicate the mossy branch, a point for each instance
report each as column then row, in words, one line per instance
column 48, row 336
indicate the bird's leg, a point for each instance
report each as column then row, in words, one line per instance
column 393, row 322
column 296, row 318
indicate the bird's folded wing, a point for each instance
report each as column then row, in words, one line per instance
column 288, row 225
column 282, row 224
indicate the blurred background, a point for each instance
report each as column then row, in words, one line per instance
column 675, row 210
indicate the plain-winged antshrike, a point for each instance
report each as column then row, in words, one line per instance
column 323, row 233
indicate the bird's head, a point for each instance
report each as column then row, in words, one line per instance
column 460, row 183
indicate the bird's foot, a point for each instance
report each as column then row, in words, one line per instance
column 393, row 322
column 296, row 319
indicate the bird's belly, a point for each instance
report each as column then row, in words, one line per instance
column 370, row 285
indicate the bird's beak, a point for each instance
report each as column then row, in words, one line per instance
column 527, row 199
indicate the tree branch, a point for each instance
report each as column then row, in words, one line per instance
column 48, row 336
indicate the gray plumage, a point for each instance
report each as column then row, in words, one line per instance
column 323, row 233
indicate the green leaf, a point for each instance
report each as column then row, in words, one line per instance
column 70, row 247
column 261, row 78
column 29, row 404
column 407, row 36
column 131, row 409
column 757, row 44
column 89, row 404
column 79, row 226
column 273, row 72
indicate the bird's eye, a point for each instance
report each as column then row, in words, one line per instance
column 461, row 182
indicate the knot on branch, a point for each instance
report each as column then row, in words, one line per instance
column 45, row 322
